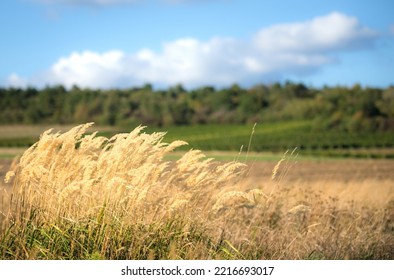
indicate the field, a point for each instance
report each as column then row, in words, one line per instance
column 132, row 197
column 273, row 137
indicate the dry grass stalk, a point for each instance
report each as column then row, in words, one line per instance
column 72, row 173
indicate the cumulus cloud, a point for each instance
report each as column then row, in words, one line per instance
column 89, row 68
column 286, row 49
column 16, row 81
column 332, row 32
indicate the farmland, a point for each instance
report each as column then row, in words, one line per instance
column 274, row 137
column 277, row 137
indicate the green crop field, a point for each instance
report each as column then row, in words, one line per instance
column 278, row 137
column 269, row 138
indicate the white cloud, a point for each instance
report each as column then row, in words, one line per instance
column 89, row 68
column 15, row 80
column 332, row 32
column 286, row 49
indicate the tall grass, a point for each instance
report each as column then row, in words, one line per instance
column 78, row 196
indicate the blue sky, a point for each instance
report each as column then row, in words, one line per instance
column 126, row 43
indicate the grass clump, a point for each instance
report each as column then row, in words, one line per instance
column 79, row 196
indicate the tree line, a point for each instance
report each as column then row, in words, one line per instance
column 331, row 108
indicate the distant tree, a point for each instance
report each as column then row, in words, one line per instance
column 330, row 108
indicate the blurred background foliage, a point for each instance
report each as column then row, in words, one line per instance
column 352, row 109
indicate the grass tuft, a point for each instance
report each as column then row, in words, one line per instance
column 83, row 196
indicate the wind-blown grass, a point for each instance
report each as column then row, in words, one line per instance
column 67, row 179
column 78, row 196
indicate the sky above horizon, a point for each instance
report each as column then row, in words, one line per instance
column 129, row 43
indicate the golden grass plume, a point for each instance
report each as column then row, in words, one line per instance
column 70, row 174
